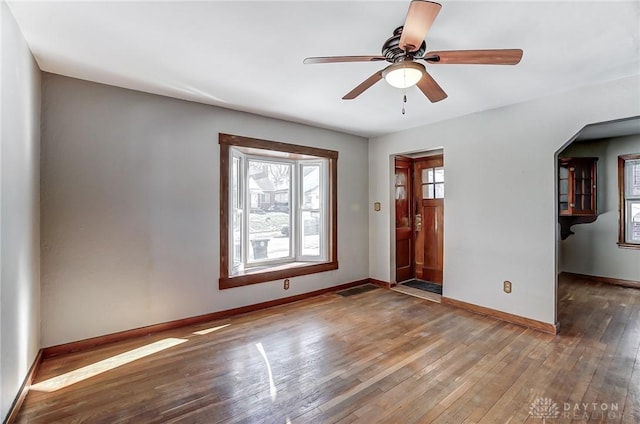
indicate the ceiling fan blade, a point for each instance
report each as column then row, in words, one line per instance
column 476, row 57
column 363, row 86
column 430, row 88
column 420, row 16
column 338, row 59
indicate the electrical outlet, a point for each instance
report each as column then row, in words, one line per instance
column 286, row 284
column 506, row 286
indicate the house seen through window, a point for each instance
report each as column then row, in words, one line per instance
column 278, row 210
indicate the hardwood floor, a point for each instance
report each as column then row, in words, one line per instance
column 376, row 357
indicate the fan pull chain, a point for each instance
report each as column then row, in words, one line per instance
column 404, row 100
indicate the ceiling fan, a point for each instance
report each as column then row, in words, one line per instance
column 407, row 45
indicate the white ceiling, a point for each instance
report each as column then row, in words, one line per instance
column 610, row 129
column 248, row 55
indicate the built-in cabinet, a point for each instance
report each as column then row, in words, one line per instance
column 576, row 192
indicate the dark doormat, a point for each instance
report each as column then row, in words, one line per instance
column 424, row 285
column 357, row 290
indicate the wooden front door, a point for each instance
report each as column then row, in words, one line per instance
column 404, row 211
column 428, row 193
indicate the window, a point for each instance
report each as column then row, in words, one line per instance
column 629, row 184
column 277, row 210
column 433, row 183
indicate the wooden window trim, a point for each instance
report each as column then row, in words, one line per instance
column 622, row 218
column 289, row 270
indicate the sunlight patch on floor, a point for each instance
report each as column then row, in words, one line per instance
column 75, row 376
column 272, row 387
column 210, row 330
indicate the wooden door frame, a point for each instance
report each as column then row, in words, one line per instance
column 392, row 218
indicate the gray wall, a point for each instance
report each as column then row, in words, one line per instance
column 19, row 210
column 592, row 250
column 499, row 209
column 130, row 208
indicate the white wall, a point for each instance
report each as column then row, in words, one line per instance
column 592, row 250
column 130, row 208
column 19, row 210
column 500, row 214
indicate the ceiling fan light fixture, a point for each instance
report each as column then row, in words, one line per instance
column 403, row 74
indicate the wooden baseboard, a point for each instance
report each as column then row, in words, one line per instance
column 598, row 279
column 502, row 316
column 24, row 389
column 170, row 325
column 380, row 283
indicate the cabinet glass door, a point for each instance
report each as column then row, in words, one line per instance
column 563, row 189
column 582, row 188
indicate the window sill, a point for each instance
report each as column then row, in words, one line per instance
column 629, row 246
column 277, row 272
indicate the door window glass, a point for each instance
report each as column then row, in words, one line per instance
column 433, row 183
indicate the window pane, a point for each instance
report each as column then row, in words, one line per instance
column 440, row 191
column 427, row 175
column 427, row 191
column 564, row 187
column 632, row 178
column 310, row 233
column 582, row 170
column 577, row 202
column 401, row 194
column 236, row 251
column 633, row 222
column 311, row 186
column 236, row 216
column 564, row 172
column 439, row 175
column 235, row 181
column 401, row 179
column 269, row 222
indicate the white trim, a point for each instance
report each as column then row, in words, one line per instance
column 296, row 209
